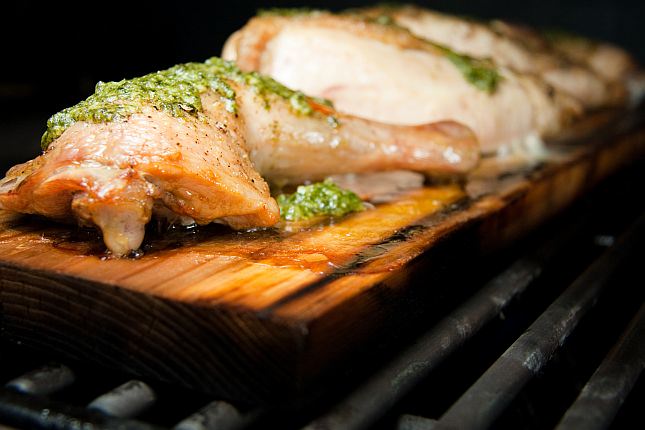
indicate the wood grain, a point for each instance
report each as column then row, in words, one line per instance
column 257, row 315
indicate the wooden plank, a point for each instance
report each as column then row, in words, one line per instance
column 256, row 315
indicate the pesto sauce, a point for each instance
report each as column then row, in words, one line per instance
column 319, row 199
column 481, row 73
column 175, row 90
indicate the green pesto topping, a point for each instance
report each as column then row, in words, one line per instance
column 177, row 91
column 319, row 199
column 481, row 73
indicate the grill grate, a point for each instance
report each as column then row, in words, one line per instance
column 607, row 389
column 482, row 403
column 554, row 338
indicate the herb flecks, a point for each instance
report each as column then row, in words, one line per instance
column 176, row 90
column 481, row 73
column 318, row 199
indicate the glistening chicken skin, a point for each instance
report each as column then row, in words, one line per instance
column 209, row 163
column 385, row 73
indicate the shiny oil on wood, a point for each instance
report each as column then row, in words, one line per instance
column 249, row 316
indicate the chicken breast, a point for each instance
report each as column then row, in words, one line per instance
column 517, row 47
column 384, row 73
column 192, row 143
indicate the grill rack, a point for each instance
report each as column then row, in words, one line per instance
column 563, row 323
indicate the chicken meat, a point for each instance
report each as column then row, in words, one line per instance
column 385, row 73
column 517, row 47
column 195, row 144
column 608, row 61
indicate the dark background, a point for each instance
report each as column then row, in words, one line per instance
column 53, row 54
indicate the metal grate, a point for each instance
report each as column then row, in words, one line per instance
column 554, row 338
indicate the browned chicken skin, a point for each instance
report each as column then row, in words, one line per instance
column 110, row 175
column 210, row 167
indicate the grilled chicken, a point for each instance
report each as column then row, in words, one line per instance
column 385, row 73
column 608, row 61
column 114, row 175
column 208, row 166
column 286, row 148
column 516, row 47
